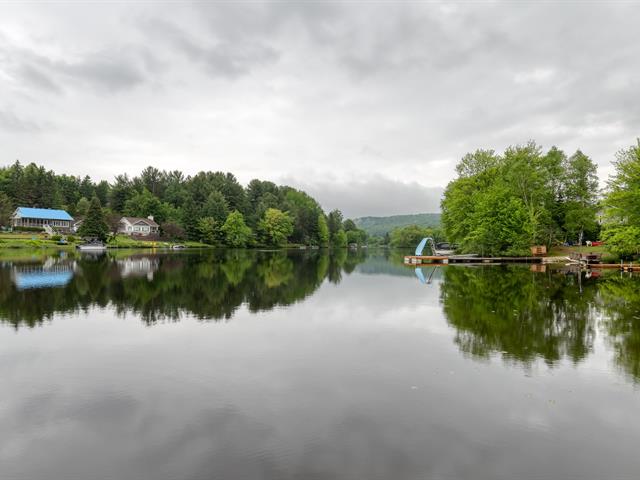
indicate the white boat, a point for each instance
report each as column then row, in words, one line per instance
column 92, row 247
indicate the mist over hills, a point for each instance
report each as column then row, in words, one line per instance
column 378, row 226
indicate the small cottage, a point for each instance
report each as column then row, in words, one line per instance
column 135, row 226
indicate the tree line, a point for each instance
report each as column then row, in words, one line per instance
column 212, row 207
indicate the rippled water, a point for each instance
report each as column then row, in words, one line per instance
column 283, row 365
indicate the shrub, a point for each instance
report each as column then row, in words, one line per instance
column 55, row 238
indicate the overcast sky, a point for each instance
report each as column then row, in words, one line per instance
column 366, row 105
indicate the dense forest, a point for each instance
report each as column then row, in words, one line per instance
column 212, row 207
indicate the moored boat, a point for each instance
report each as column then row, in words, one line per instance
column 92, row 247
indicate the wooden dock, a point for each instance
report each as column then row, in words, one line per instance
column 468, row 260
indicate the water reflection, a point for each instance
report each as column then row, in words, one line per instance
column 620, row 296
column 516, row 312
column 378, row 377
column 524, row 315
column 208, row 285
column 54, row 272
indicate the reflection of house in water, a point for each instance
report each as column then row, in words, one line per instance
column 138, row 267
column 52, row 273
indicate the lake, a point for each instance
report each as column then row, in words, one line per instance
column 305, row 365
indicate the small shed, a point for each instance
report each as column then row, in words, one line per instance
column 539, row 250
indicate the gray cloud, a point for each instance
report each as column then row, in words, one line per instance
column 36, row 77
column 328, row 91
column 374, row 196
column 12, row 123
column 223, row 55
column 111, row 71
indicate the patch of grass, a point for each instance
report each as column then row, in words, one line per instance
column 123, row 241
column 21, row 236
column 29, row 243
column 562, row 251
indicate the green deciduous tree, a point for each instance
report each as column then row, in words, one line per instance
column 621, row 228
column 334, row 221
column 275, row 227
column 209, row 230
column 236, row 233
column 323, row 230
column 339, row 239
column 581, row 195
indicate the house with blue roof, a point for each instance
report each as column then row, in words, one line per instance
column 44, row 218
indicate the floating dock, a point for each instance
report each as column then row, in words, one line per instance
column 470, row 260
column 452, row 259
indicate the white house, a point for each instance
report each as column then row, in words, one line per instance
column 138, row 226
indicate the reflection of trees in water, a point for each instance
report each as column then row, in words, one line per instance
column 522, row 314
column 620, row 297
column 526, row 315
column 208, row 285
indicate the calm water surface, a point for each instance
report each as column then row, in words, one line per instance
column 301, row 365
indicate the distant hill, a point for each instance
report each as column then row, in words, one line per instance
column 381, row 225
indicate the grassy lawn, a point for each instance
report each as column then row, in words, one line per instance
column 122, row 241
column 35, row 240
column 32, row 240
column 562, row 251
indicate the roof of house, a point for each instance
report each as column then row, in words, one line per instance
column 43, row 213
column 26, row 281
column 133, row 220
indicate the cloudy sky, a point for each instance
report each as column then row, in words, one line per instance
column 368, row 105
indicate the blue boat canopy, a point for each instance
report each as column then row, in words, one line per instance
column 43, row 213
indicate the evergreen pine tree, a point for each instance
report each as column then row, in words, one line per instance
column 94, row 225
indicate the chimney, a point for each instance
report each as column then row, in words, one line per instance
column 150, row 217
